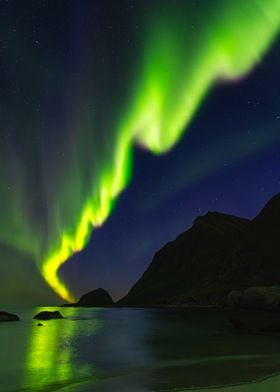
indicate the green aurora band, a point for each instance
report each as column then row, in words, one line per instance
column 175, row 66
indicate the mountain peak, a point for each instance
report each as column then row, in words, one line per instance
column 271, row 211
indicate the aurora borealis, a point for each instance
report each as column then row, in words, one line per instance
column 84, row 83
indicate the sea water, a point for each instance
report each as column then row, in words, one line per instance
column 134, row 350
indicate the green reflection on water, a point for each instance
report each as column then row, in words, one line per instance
column 52, row 353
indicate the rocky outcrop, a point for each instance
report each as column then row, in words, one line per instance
column 218, row 254
column 5, row 316
column 256, row 309
column 256, row 298
column 48, row 315
column 98, row 298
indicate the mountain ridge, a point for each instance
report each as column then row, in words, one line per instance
column 217, row 254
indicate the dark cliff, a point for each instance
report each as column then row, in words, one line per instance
column 217, row 254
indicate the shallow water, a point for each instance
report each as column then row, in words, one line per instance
column 134, row 350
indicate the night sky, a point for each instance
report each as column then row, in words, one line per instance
column 135, row 116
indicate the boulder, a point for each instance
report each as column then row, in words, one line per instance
column 256, row 309
column 48, row 315
column 256, row 298
column 234, row 298
column 5, row 316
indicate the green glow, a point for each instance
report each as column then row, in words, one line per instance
column 50, row 354
column 95, row 212
column 177, row 74
column 173, row 77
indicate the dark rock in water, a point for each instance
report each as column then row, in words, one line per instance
column 218, row 254
column 96, row 298
column 39, row 325
column 48, row 315
column 5, row 316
